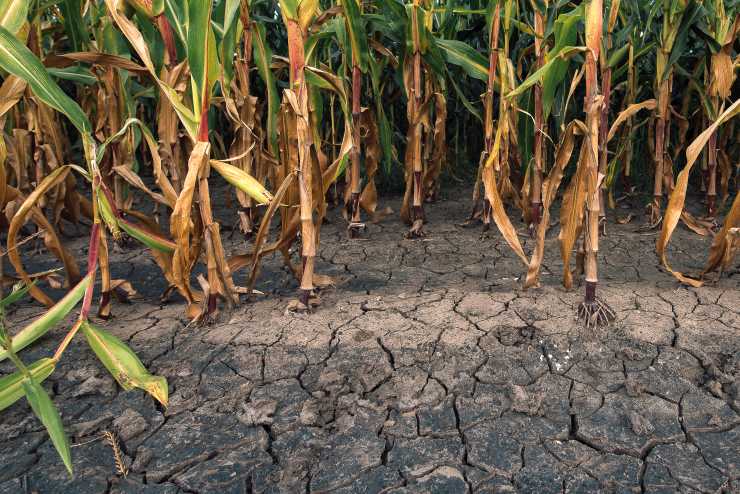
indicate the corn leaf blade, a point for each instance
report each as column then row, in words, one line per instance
column 123, row 364
column 51, row 318
column 45, row 410
column 11, row 386
column 21, row 62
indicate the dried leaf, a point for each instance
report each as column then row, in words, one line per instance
column 678, row 196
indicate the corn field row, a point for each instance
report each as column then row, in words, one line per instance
column 298, row 105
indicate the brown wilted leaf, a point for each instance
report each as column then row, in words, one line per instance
column 549, row 191
column 678, row 197
column 627, row 113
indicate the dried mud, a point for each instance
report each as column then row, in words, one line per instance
column 426, row 369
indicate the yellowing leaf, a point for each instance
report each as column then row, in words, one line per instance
column 123, row 364
column 243, row 181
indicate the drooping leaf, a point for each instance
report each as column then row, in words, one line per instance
column 150, row 239
column 51, row 318
column 678, row 196
column 45, row 410
column 459, row 53
column 123, row 364
column 21, row 62
column 627, row 113
column 540, row 73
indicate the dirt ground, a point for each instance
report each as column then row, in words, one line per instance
column 426, row 369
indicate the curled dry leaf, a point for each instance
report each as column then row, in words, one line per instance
column 678, row 197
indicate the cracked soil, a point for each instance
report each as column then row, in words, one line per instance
column 426, row 369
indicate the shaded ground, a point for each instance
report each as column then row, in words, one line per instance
column 427, row 369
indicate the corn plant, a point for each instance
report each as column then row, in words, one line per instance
column 554, row 108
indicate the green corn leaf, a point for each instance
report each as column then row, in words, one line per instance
column 13, row 14
column 464, row 100
column 74, row 25
column 688, row 19
column 289, row 8
column 123, row 364
column 19, row 61
column 178, row 18
column 19, row 291
column 199, row 31
column 459, row 53
column 228, row 42
column 151, row 240
column 45, row 410
column 74, row 74
column 11, row 387
column 565, row 31
column 153, row 40
column 539, row 74
column 134, row 36
column 356, row 31
column 263, row 59
column 384, row 126
column 43, row 324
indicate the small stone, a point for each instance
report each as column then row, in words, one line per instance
column 631, row 354
column 715, row 388
column 82, row 374
column 86, row 428
column 525, row 402
column 715, row 420
column 258, row 412
column 95, row 385
column 129, row 424
column 640, row 425
column 142, row 459
column 310, row 413
column 633, row 387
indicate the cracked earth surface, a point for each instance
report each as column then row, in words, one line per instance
column 427, row 369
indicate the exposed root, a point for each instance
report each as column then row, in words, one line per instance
column 205, row 319
column 655, row 217
column 595, row 313
column 354, row 230
column 306, row 301
column 417, row 230
column 475, row 214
